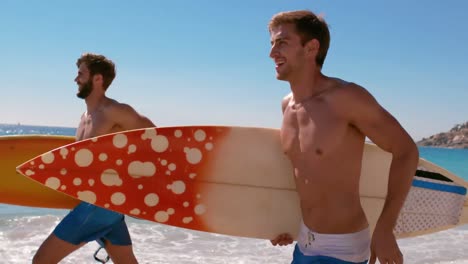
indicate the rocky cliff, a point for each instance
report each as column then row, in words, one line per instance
column 457, row 137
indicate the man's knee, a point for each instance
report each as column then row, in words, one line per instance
column 121, row 254
column 40, row 258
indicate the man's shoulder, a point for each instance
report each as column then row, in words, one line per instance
column 288, row 97
column 125, row 116
column 349, row 90
column 286, row 100
column 347, row 97
column 113, row 105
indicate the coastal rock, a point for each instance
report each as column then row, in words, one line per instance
column 457, row 137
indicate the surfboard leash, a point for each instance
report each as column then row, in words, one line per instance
column 105, row 260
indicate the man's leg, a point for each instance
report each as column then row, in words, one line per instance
column 54, row 249
column 121, row 254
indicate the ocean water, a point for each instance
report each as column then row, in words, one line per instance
column 22, row 230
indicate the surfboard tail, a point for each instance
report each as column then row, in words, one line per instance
column 464, row 213
column 18, row 190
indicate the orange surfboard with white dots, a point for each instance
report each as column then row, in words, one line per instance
column 227, row 180
column 203, row 178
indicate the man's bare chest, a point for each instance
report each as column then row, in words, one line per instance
column 310, row 132
column 94, row 125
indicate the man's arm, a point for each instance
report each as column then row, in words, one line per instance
column 283, row 239
column 384, row 130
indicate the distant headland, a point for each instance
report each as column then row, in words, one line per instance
column 457, row 137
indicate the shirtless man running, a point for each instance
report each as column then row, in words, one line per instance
column 87, row 222
column 325, row 123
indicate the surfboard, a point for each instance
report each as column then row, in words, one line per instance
column 18, row 190
column 228, row 180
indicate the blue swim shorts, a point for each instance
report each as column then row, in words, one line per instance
column 87, row 222
column 299, row 258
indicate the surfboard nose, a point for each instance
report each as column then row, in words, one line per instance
column 23, row 168
column 29, row 167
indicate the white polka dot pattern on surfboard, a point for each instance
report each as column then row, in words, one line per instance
column 144, row 173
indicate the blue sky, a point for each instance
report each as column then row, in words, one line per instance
column 206, row 62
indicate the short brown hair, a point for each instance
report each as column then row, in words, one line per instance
column 98, row 64
column 308, row 26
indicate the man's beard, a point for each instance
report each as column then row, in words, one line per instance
column 85, row 90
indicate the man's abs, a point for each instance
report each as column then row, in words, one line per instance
column 329, row 193
column 337, row 215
